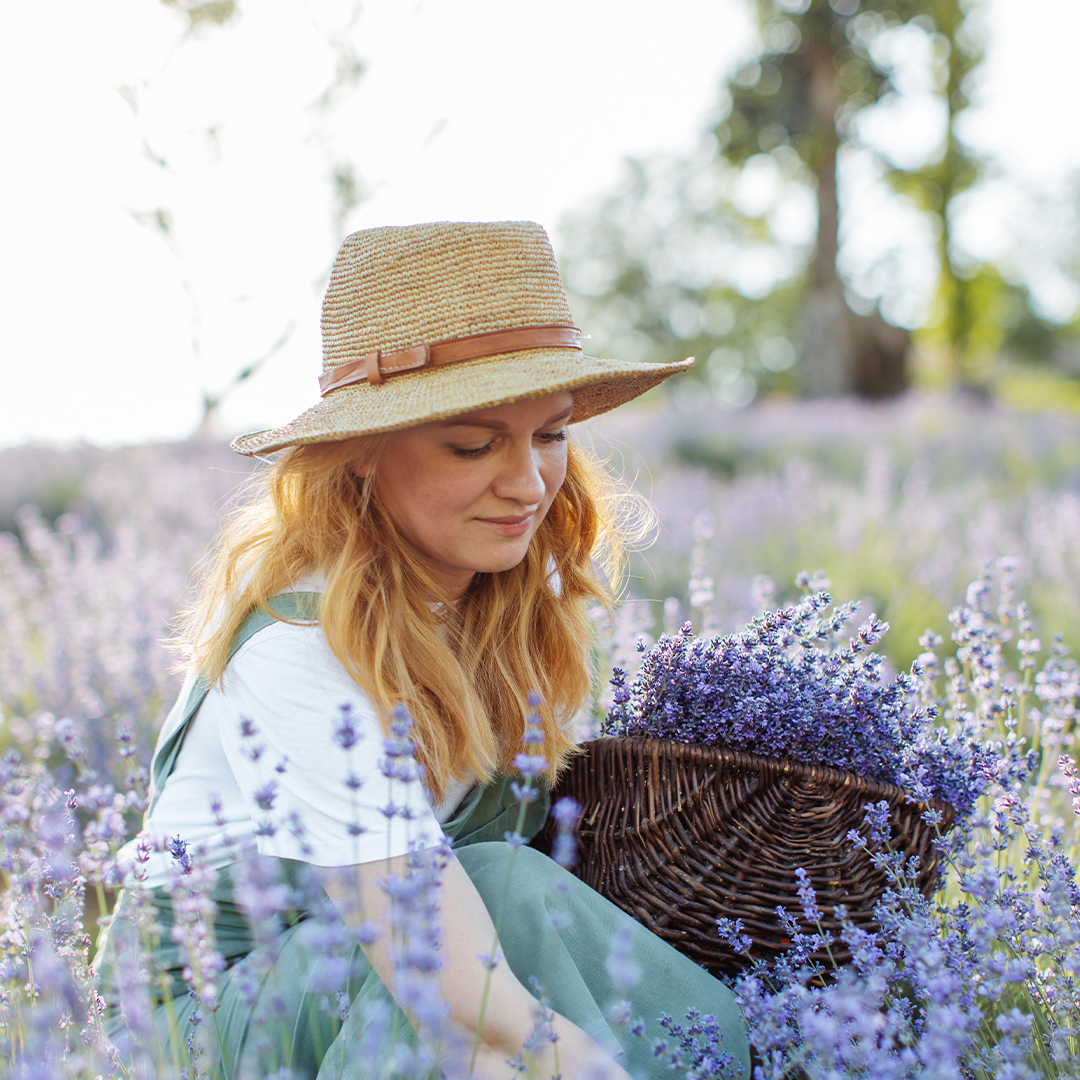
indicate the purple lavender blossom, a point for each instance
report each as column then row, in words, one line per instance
column 530, row 765
column 266, row 795
column 696, row 1050
column 807, row 897
column 787, row 687
column 731, row 932
column 178, row 849
column 622, row 969
column 565, row 812
column 346, row 733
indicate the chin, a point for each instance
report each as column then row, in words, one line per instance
column 505, row 561
column 500, row 567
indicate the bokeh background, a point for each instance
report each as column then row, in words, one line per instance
column 862, row 217
column 178, row 175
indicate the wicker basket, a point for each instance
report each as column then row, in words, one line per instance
column 681, row 835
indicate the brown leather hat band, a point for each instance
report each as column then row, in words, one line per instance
column 377, row 366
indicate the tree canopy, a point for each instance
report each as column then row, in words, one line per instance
column 737, row 253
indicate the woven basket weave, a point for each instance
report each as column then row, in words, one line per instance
column 681, row 835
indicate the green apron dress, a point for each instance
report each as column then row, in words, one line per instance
column 278, row 1012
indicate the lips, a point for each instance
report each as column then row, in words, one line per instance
column 516, row 525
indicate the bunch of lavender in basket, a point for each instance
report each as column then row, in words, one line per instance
column 791, row 685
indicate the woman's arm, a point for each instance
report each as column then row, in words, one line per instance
column 467, row 933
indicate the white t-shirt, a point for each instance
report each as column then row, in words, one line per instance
column 263, row 746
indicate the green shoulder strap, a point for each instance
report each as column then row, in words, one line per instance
column 288, row 607
column 493, row 810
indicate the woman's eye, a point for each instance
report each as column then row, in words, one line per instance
column 470, row 452
column 553, row 436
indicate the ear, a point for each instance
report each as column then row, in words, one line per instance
column 360, row 467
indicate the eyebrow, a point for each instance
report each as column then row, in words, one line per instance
column 496, row 425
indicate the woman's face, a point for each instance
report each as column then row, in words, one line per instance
column 469, row 493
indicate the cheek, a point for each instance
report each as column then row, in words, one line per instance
column 418, row 495
column 554, row 473
column 403, row 490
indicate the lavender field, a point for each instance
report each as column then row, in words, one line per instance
column 899, row 505
column 956, row 522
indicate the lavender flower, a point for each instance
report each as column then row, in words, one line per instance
column 696, row 1050
column 731, row 932
column 178, row 849
column 189, row 887
column 565, row 812
column 979, row 981
column 788, row 687
column 807, row 897
column 346, row 733
column 399, row 750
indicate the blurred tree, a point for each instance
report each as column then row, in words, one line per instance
column 200, row 12
column 1025, row 308
column 791, row 115
column 663, row 266
column 963, row 308
column 820, row 68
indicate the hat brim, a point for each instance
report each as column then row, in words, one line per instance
column 419, row 397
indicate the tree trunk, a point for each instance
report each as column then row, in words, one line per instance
column 881, row 352
column 842, row 353
column 827, row 355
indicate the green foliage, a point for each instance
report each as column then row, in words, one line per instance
column 1037, row 388
column 979, row 316
column 696, row 244
column 657, row 271
column 205, row 12
column 964, row 317
column 774, row 100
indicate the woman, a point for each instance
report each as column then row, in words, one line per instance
column 426, row 540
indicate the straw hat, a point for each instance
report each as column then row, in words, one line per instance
column 424, row 322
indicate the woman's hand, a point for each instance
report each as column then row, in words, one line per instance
column 466, row 934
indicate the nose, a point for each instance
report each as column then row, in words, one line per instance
column 520, row 480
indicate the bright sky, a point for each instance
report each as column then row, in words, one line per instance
column 111, row 331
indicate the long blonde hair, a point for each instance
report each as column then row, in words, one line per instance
column 463, row 669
